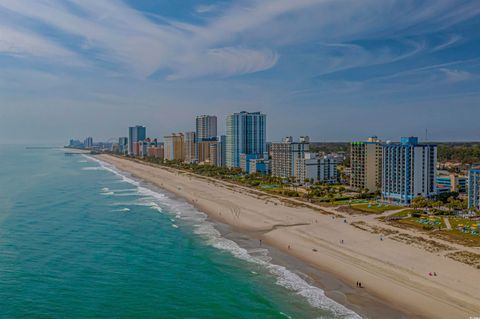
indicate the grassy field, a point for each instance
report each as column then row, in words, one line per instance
column 429, row 223
column 460, row 223
column 350, row 201
column 373, row 208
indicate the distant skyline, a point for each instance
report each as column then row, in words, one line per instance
column 333, row 70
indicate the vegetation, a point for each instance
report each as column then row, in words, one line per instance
column 465, row 153
column 373, row 208
column 450, row 201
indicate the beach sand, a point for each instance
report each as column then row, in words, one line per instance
column 393, row 272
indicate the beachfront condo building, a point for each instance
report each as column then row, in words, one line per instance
column 135, row 134
column 190, row 144
column 286, row 155
column 123, row 145
column 221, row 151
column 205, row 150
column 408, row 170
column 318, row 169
column 174, row 148
column 206, row 127
column 88, row 142
column 246, row 134
column 155, row 151
column 474, row 187
column 366, row 165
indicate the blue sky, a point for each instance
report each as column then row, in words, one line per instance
column 337, row 70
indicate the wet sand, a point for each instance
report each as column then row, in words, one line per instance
column 394, row 273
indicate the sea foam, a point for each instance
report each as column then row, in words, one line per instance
column 182, row 210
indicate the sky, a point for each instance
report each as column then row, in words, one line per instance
column 336, row 70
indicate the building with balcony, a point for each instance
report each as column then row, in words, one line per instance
column 408, row 170
column 246, row 134
column 366, row 165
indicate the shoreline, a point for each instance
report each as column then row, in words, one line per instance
column 391, row 281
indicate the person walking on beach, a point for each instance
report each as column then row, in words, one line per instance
column 260, row 242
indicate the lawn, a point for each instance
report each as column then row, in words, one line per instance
column 374, row 208
column 465, row 227
column 350, row 201
column 425, row 223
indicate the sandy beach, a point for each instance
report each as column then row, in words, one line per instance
column 393, row 271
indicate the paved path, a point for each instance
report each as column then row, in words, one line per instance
column 447, row 223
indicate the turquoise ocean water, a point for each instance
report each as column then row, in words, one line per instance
column 79, row 239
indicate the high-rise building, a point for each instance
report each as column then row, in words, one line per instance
column 205, row 151
column 123, row 145
column 474, row 187
column 408, row 170
column 286, row 155
column 206, row 127
column 366, row 165
column 88, row 143
column 190, row 147
column 135, row 134
column 222, row 151
column 174, row 147
column 246, row 134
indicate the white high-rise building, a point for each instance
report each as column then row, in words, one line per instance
column 286, row 155
column 206, row 127
column 408, row 170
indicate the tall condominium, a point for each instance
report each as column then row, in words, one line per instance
column 474, row 187
column 246, row 134
column 135, row 134
column 88, row 142
column 286, row 155
column 190, row 147
column 174, row 147
column 366, row 165
column 206, row 127
column 408, row 170
column 122, row 145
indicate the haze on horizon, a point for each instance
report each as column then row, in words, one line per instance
column 334, row 70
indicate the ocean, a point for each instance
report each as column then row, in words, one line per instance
column 79, row 239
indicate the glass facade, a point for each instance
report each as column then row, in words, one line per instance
column 246, row 134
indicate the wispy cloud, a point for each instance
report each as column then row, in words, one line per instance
column 22, row 43
column 205, row 8
column 244, row 37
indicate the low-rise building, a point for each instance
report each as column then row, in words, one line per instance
column 318, row 169
column 451, row 183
